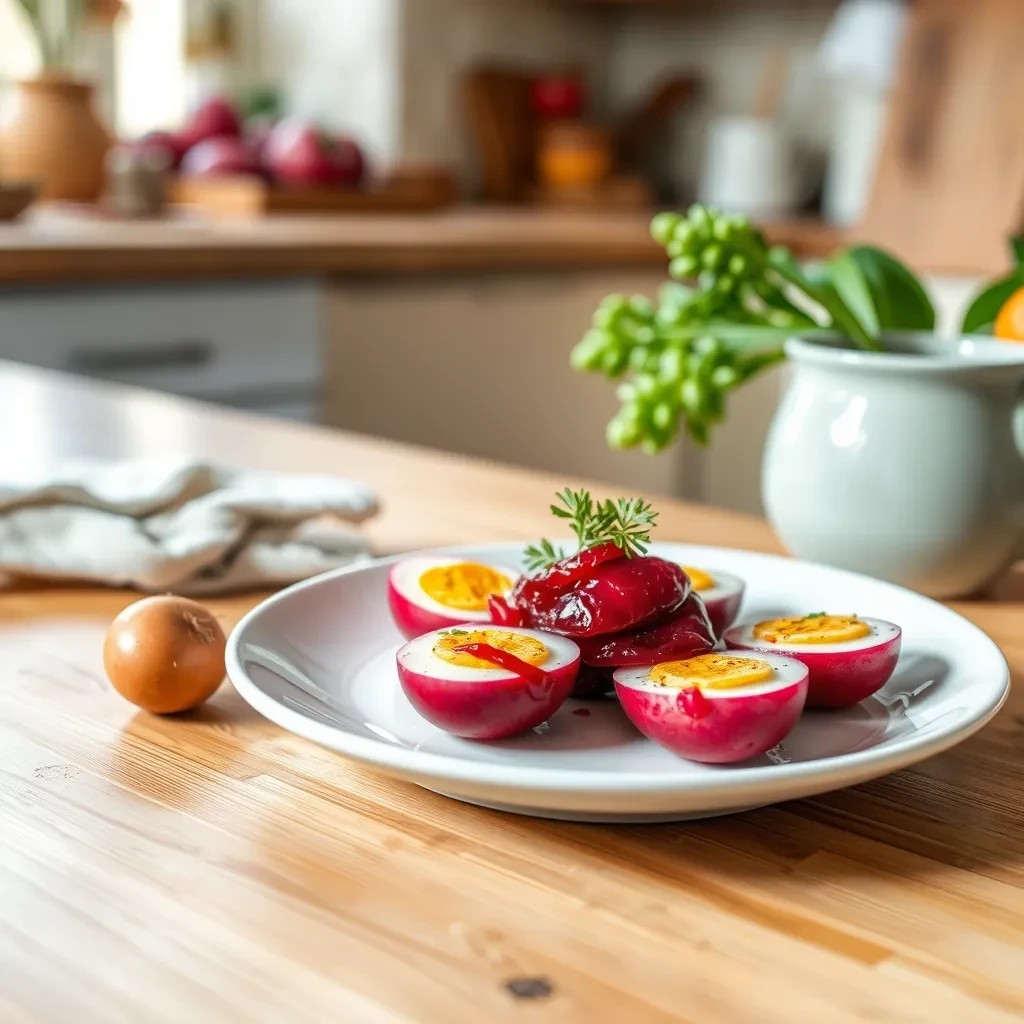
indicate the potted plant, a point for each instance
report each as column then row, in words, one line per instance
column 893, row 450
column 55, row 137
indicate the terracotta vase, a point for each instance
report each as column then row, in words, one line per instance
column 55, row 138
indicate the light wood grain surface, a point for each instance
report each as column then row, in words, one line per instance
column 54, row 247
column 212, row 868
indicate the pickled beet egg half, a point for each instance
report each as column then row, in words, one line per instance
column 721, row 593
column 716, row 708
column 425, row 594
column 487, row 683
column 848, row 658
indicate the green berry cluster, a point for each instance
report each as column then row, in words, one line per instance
column 673, row 374
column 725, row 318
column 676, row 359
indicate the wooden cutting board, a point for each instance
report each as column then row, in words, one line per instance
column 950, row 180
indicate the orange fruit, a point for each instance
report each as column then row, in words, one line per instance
column 1009, row 323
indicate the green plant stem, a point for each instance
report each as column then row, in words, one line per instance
column 842, row 318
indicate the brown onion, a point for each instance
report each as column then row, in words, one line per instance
column 165, row 654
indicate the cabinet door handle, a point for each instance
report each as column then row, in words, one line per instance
column 169, row 355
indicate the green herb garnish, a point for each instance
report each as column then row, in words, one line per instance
column 724, row 320
column 542, row 555
column 624, row 522
column 455, row 632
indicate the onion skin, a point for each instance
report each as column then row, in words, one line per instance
column 165, row 654
column 722, row 730
column 487, row 710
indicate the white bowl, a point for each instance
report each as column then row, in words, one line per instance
column 318, row 659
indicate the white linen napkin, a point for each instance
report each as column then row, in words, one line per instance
column 179, row 525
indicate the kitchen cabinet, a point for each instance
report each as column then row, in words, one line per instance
column 252, row 344
column 453, row 330
column 479, row 364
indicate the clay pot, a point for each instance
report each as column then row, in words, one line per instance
column 55, row 138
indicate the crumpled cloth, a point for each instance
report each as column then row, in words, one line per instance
column 179, row 525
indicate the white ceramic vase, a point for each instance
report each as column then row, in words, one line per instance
column 904, row 464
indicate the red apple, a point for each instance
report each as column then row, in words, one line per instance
column 557, row 97
column 349, row 162
column 167, row 144
column 214, row 117
column 257, row 134
column 298, row 153
column 220, row 156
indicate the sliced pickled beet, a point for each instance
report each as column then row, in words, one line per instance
column 502, row 612
column 509, row 662
column 564, row 574
column 615, row 596
column 686, row 631
column 594, row 683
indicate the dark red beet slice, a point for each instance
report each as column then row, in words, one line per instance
column 563, row 575
column 687, row 631
column 503, row 613
column 594, row 684
column 615, row 596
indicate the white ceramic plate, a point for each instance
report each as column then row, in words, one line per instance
column 318, row 659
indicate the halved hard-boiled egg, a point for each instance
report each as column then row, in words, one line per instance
column 717, row 708
column 848, row 657
column 428, row 593
column 721, row 593
column 485, row 683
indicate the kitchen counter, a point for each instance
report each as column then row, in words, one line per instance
column 211, row 867
column 51, row 247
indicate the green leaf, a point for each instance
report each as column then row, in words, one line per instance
column 899, row 299
column 851, row 285
column 985, row 306
column 818, row 276
column 1017, row 250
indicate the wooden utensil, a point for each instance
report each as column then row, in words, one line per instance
column 950, row 177
column 774, row 78
column 640, row 128
column 497, row 102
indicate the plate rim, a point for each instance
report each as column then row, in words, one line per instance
column 450, row 767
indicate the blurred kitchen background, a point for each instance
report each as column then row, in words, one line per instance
column 493, row 169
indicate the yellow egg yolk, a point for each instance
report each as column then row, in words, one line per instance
column 699, row 579
column 526, row 648
column 463, row 585
column 712, row 672
column 812, row 629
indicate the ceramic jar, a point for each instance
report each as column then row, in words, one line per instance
column 902, row 464
column 55, row 139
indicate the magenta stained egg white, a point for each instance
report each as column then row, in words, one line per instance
column 428, row 593
column 487, row 703
column 840, row 674
column 711, row 725
column 722, row 600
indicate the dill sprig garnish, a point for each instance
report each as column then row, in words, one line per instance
column 624, row 522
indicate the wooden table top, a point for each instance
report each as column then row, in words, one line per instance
column 51, row 247
column 213, row 868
